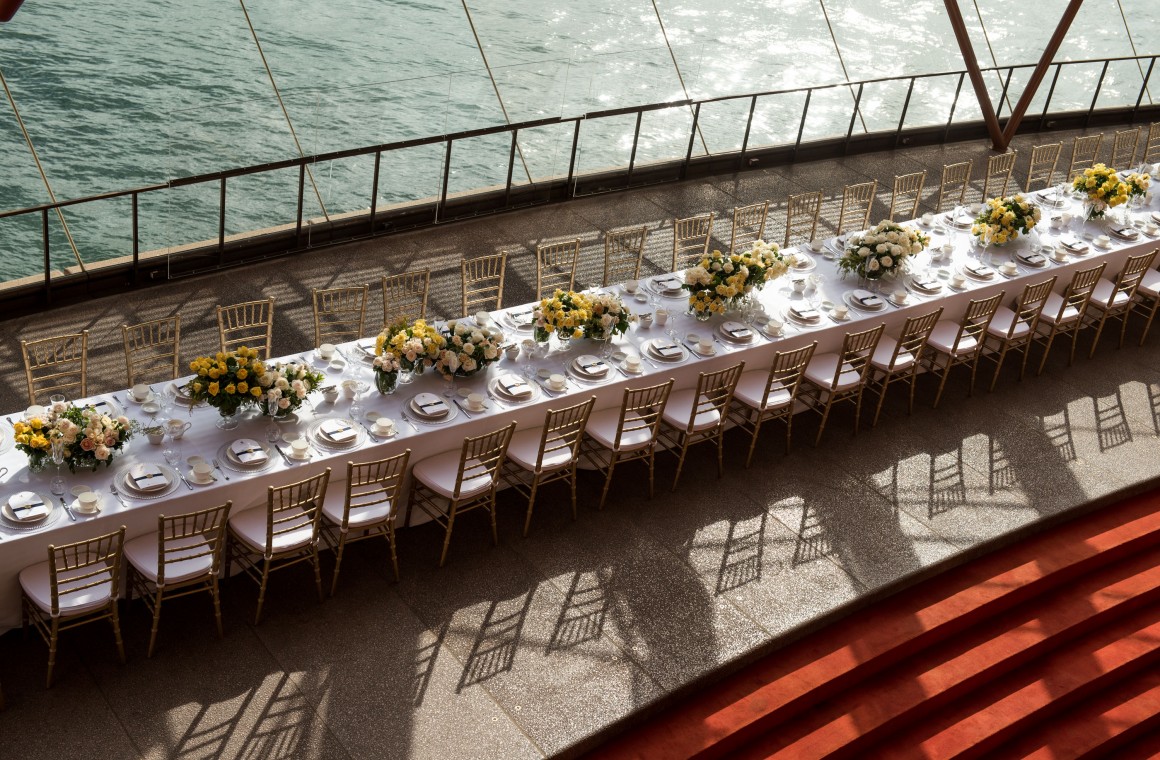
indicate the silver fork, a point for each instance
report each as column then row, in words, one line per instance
column 408, row 419
column 115, row 492
column 218, row 467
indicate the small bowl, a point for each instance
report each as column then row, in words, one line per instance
column 151, row 407
column 619, row 356
column 826, row 305
column 543, row 373
column 641, row 298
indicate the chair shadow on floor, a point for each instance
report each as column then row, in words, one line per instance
column 1112, row 427
column 743, row 554
column 498, row 640
column 583, row 613
column 948, row 486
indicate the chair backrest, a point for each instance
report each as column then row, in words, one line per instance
column 1030, row 306
column 748, row 225
column 483, row 282
column 801, row 216
column 340, row 314
column 294, row 506
column 563, row 430
column 1083, row 153
column 975, row 321
column 915, row 332
column 57, row 365
column 556, row 267
column 1044, row 161
column 182, row 538
column 787, row 370
column 1079, row 292
column 405, row 296
column 641, row 410
column 907, row 191
column 1134, row 268
column 857, row 349
column 691, row 239
column 952, row 191
column 152, row 350
column 75, row 568
column 369, row 484
column 998, row 177
column 857, row 201
column 249, row 324
column 1152, row 144
column 482, row 457
column 714, row 395
column 623, row 252
column 1124, row 149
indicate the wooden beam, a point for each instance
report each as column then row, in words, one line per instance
column 972, row 64
column 1040, row 70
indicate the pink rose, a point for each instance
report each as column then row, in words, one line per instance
column 102, row 453
column 111, row 440
column 87, row 444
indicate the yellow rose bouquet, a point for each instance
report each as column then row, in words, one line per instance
column 415, row 346
column 719, row 280
column 1103, row 189
column 1003, row 219
column 87, row 437
column 1138, row 184
column 227, row 381
column 565, row 314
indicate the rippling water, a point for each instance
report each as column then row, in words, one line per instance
column 121, row 93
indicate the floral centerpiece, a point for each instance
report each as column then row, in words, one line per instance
column 416, row 346
column 608, row 317
column 565, row 314
column 764, row 262
column 286, row 387
column 1138, row 184
column 1002, row 219
column 227, row 381
column 720, row 280
column 468, row 350
column 881, row 250
column 1103, row 188
column 386, row 368
column 87, row 437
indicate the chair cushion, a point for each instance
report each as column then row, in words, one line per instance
column 1001, row 324
column 1150, row 283
column 602, row 429
column 885, row 352
column 821, row 369
column 524, row 450
column 440, row 471
column 942, row 338
column 360, row 517
column 680, row 408
column 751, row 387
column 1051, row 307
column 1103, row 292
column 141, row 553
column 250, row 526
column 36, row 582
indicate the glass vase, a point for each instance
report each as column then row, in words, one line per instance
column 386, row 382
column 228, row 420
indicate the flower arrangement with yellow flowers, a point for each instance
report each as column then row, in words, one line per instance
column 87, row 436
column 1103, row 188
column 286, row 386
column 764, row 262
column 416, row 346
column 1138, row 184
column 1002, row 219
column 565, row 314
column 608, row 317
column 470, row 348
column 719, row 279
column 881, row 250
column 227, row 381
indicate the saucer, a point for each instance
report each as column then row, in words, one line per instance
column 76, row 506
column 192, row 478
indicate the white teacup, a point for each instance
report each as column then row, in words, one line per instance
column 177, row 428
column 202, row 471
column 156, row 437
column 482, row 318
column 927, row 218
column 900, row 296
column 1103, row 241
column 1056, row 222
column 1009, row 267
column 326, row 351
column 87, row 502
column 775, row 326
column 1059, row 254
column 385, row 426
column 349, row 387
column 815, row 245
column 646, row 319
column 840, row 311
column 958, row 280
column 662, row 317
column 36, row 410
column 631, row 285
column 1151, row 229
column 632, row 362
column 557, row 381
column 299, row 448
column 705, row 344
column 529, row 346
column 948, row 249
column 330, row 394
column 799, row 286
column 140, row 392
column 475, row 401
column 512, row 352
column 1065, row 218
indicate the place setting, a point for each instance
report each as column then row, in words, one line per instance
column 628, row 364
column 177, row 389
column 1126, row 233
column 471, row 402
column 430, row 409
column 734, row 333
column 978, row 271
column 337, row 434
column 28, row 511
column 1052, row 197
column 961, row 217
column 803, row 314
column 86, row 502
column 923, row 284
column 864, row 300
column 800, row 261
column 665, row 350
column 834, row 247
column 146, row 480
column 1074, row 245
column 200, row 472
column 554, row 383
column 522, row 318
column 512, row 389
column 701, row 344
column 1033, row 259
column 667, row 286
column 589, row 369
column 245, row 455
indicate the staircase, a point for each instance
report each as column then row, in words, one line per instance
column 1048, row 648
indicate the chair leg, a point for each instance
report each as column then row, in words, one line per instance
column 680, row 461
column 115, row 619
column 1148, row 322
column 998, row 368
column 337, row 562
column 652, row 466
column 532, row 503
column 217, row 605
column 1096, row 339
column 608, row 481
column 491, row 514
column 721, row 450
column 942, row 380
column 825, row 416
column 262, row 590
column 881, row 399
column 572, row 482
column 788, row 429
column 52, row 640
column 156, row 623
column 753, row 440
column 447, row 536
column 1123, row 328
column 1023, row 364
column 317, row 562
column 1046, row 351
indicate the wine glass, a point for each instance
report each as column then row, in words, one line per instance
column 57, row 485
column 360, row 387
column 172, row 454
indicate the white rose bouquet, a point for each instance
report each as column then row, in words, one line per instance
column 607, row 317
column 286, row 387
column 881, row 250
column 467, row 349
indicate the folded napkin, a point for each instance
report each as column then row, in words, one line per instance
column 146, row 477
column 514, row 385
column 866, row 298
column 1034, row 259
column 1074, row 245
column 799, row 260
column 521, row 317
column 668, row 283
column 736, row 330
column 26, row 505
column 1128, row 233
column 665, row 348
column 929, row 285
column 979, row 270
column 805, row 313
column 430, row 405
column 367, row 346
column 1156, row 216
column 590, row 365
column 339, row 431
column 248, row 451
column 102, row 406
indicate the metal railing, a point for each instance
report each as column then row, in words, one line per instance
column 288, row 238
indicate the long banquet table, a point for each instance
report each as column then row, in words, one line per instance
column 20, row 548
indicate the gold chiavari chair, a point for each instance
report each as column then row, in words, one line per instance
column 952, row 191
column 1152, row 144
column 152, row 350
column 340, row 314
column 556, row 267
column 1083, row 154
column 763, row 395
column 833, row 378
column 57, row 365
column 748, row 225
column 483, row 282
column 895, row 361
column 960, row 343
column 857, row 200
column 366, row 508
column 405, row 296
column 1113, row 299
column 1147, row 300
column 1012, row 329
column 691, row 240
column 623, row 253
column 1044, row 161
column 907, row 192
column 450, row 484
column 1063, row 314
column 249, row 324
column 183, row 557
column 998, row 178
column 281, row 535
column 698, row 416
column 1124, row 149
column 540, row 456
column 627, row 433
column 801, row 216
column 79, row 584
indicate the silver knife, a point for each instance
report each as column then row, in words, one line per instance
column 68, row 511
column 281, row 453
column 370, row 433
column 182, row 476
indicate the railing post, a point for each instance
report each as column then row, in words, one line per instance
column 692, row 138
column 1099, row 86
column 222, row 224
column 136, row 244
column 748, row 127
column 507, row 194
column 853, row 119
column 572, row 160
column 1143, row 89
column 375, row 190
column 905, row 106
column 954, row 105
column 47, row 258
column 446, row 177
column 635, row 140
column 1003, row 95
column 802, row 125
column 301, row 193
column 1050, row 92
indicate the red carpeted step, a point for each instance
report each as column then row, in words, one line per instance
column 788, row 682
column 1147, row 747
column 844, row 725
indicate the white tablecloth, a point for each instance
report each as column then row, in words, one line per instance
column 20, row 549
